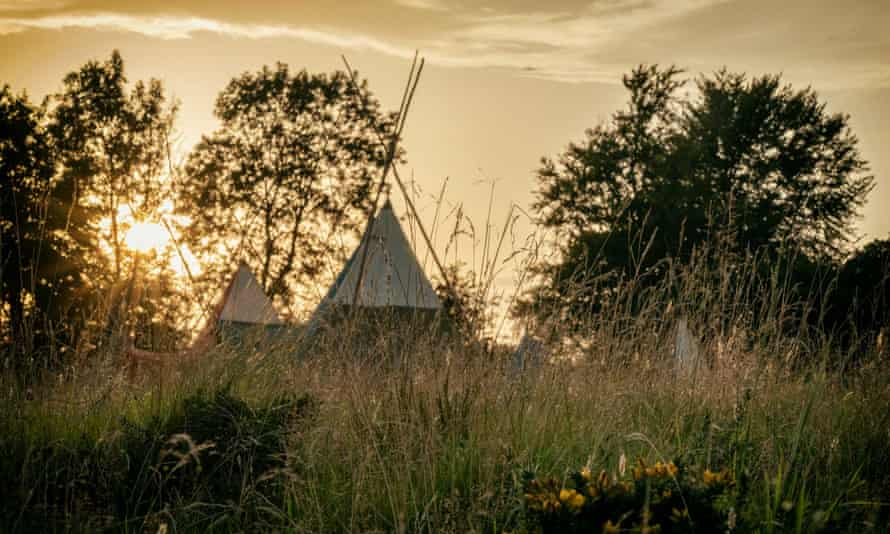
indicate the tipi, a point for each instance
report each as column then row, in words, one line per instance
column 386, row 272
column 243, row 310
column 245, row 303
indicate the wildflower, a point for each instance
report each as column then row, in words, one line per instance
column 637, row 473
column 660, row 469
column 586, row 474
column 611, row 528
column 709, row 477
column 672, row 469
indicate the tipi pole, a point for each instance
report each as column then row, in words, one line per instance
column 392, row 146
column 402, row 113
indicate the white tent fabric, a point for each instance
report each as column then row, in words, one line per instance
column 687, row 351
column 392, row 276
column 245, row 302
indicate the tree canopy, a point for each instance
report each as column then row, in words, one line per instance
column 748, row 158
column 294, row 160
column 112, row 145
column 26, row 172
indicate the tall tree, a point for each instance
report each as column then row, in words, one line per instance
column 26, row 171
column 751, row 159
column 288, row 172
column 112, row 145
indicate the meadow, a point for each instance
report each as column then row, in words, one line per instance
column 778, row 429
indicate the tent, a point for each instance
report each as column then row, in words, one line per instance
column 687, row 351
column 387, row 274
column 243, row 313
column 244, row 306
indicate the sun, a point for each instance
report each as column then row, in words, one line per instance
column 146, row 236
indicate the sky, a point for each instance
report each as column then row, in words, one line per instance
column 505, row 82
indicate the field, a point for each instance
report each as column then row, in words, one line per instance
column 777, row 431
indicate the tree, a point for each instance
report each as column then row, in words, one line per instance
column 288, row 172
column 26, row 171
column 751, row 160
column 112, row 146
column 861, row 303
column 463, row 303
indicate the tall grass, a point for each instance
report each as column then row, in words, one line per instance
column 363, row 434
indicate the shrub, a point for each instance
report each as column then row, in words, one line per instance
column 660, row 498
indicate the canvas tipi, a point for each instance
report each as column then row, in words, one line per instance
column 382, row 274
column 243, row 311
column 245, row 303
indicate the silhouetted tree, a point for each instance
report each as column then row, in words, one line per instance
column 861, row 303
column 286, row 176
column 752, row 160
column 463, row 303
column 112, row 144
column 26, row 171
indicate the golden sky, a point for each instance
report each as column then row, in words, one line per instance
column 506, row 82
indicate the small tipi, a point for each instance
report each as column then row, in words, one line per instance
column 243, row 311
column 244, row 301
column 386, row 272
column 245, row 306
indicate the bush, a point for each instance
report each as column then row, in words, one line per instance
column 660, row 498
column 210, row 460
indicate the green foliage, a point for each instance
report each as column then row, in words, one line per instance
column 291, row 166
column 662, row 498
column 748, row 162
column 113, row 148
column 464, row 303
column 38, row 285
column 210, row 460
column 861, row 301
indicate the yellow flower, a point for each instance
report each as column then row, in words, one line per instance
column 660, row 469
column 565, row 494
column 672, row 469
column 637, row 473
column 667, row 493
column 577, row 501
column 611, row 528
column 586, row 474
column 709, row 477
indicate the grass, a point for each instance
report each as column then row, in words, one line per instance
column 440, row 443
column 365, row 434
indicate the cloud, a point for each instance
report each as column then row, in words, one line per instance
column 427, row 5
column 170, row 27
column 564, row 40
column 24, row 6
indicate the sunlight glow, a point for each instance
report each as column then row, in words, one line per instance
column 146, row 236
